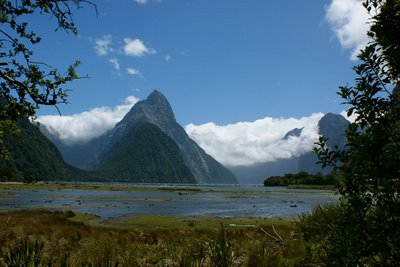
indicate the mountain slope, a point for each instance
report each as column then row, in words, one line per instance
column 157, row 110
column 145, row 154
column 34, row 157
column 79, row 155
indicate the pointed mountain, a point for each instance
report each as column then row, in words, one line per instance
column 156, row 110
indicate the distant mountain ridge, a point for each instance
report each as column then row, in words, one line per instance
column 332, row 126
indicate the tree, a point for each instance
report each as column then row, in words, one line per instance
column 367, row 232
column 26, row 84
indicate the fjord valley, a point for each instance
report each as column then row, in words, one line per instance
column 278, row 145
column 148, row 146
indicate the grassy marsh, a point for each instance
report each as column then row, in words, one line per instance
column 68, row 239
column 41, row 237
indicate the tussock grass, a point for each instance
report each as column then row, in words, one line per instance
column 45, row 238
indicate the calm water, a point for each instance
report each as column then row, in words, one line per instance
column 210, row 200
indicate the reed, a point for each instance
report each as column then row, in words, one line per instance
column 46, row 238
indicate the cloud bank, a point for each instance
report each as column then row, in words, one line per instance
column 247, row 143
column 239, row 144
column 348, row 19
column 82, row 127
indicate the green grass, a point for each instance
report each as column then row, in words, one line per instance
column 68, row 239
column 197, row 223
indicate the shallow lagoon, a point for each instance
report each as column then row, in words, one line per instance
column 171, row 200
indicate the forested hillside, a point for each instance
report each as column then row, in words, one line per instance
column 33, row 157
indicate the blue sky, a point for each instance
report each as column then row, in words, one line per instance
column 218, row 62
column 221, row 61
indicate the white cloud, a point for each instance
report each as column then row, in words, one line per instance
column 103, row 45
column 114, row 62
column 82, row 127
column 349, row 20
column 167, row 57
column 247, row 143
column 133, row 71
column 136, row 48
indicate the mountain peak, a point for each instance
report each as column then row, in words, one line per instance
column 332, row 120
column 155, row 109
column 334, row 127
column 296, row 132
column 156, row 96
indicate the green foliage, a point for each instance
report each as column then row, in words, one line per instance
column 26, row 84
column 367, row 232
column 318, row 228
column 301, row 178
column 317, row 224
column 7, row 174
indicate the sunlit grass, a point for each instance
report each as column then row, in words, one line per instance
column 68, row 239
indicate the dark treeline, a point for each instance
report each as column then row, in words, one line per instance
column 301, row 178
